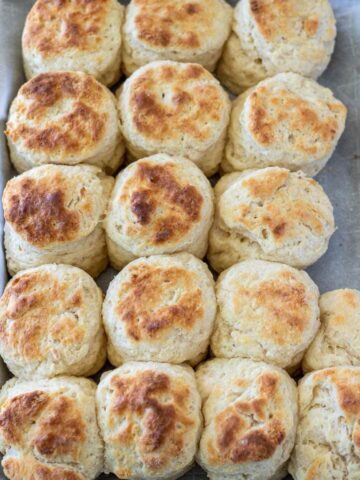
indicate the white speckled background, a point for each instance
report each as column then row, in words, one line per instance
column 340, row 267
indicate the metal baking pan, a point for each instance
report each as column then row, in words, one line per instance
column 340, row 266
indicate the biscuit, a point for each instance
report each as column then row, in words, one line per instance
column 288, row 121
column 272, row 36
column 271, row 214
column 50, row 323
column 182, row 31
column 328, row 437
column 338, row 339
column 266, row 311
column 74, row 35
column 160, row 204
column 54, row 214
column 161, row 308
column 48, row 430
column 250, row 416
column 150, row 419
column 64, row 118
column 174, row 108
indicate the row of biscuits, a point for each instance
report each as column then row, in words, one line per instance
column 256, row 40
column 77, row 215
column 179, row 109
column 166, row 308
column 238, row 418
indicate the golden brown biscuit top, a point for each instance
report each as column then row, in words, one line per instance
column 54, row 27
column 145, row 300
column 170, row 101
column 164, row 208
column 161, row 406
column 281, row 117
column 50, row 424
column 346, row 382
column 249, row 430
column 281, row 305
column 38, row 309
column 59, row 113
column 287, row 19
column 49, row 209
column 275, row 205
column 165, row 24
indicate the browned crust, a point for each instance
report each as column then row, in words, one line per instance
column 76, row 129
column 81, row 26
column 155, row 186
column 285, row 302
column 268, row 111
column 274, row 16
column 171, row 25
column 26, row 468
column 193, row 104
column 40, row 209
column 145, row 317
column 30, row 306
column 236, row 440
column 160, row 405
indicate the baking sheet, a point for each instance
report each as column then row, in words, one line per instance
column 340, row 266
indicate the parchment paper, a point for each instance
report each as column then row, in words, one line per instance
column 340, row 266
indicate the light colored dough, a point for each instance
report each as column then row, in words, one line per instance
column 160, row 204
column 76, row 35
column 266, row 311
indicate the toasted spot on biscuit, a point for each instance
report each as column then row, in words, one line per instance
column 80, row 26
column 181, row 106
column 142, row 313
column 160, row 203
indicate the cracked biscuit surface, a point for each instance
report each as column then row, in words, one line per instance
column 273, row 36
column 328, row 437
column 149, row 415
column 48, row 430
column 266, row 311
column 270, row 214
column 250, row 415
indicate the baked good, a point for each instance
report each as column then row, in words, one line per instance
column 287, row 120
column 272, row 36
column 48, row 430
column 53, row 214
column 250, row 415
column 160, row 308
column 272, row 214
column 64, row 118
column 160, row 204
column 328, row 437
column 77, row 35
column 266, row 311
column 150, row 419
column 338, row 339
column 50, row 323
column 174, row 108
column 182, row 31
